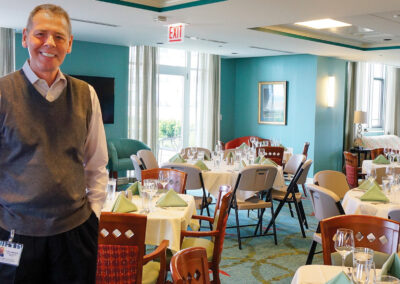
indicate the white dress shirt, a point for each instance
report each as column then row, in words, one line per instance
column 95, row 153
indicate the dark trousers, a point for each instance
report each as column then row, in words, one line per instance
column 70, row 257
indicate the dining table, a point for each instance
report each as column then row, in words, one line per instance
column 368, row 165
column 163, row 223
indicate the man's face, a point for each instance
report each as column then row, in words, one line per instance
column 48, row 41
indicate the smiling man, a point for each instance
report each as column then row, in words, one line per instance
column 52, row 161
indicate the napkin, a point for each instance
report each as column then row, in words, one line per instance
column 177, row 158
column 201, row 165
column 243, row 164
column 367, row 184
column 171, row 199
column 134, row 188
column 381, row 160
column 341, row 278
column 269, row 162
column 392, row 266
column 207, row 157
column 242, row 146
column 374, row 193
column 257, row 160
column 123, row 205
column 230, row 155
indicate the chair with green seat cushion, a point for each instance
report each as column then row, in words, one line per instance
column 126, row 252
column 214, row 245
column 119, row 153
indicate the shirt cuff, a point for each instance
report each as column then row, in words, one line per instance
column 96, row 209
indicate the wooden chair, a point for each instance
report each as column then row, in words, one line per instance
column 305, row 149
column 353, row 172
column 325, row 204
column 214, row 246
column 190, row 266
column 185, row 151
column 274, row 153
column 121, row 249
column 334, row 181
column 373, row 232
column 177, row 179
column 376, row 152
column 148, row 159
column 240, row 140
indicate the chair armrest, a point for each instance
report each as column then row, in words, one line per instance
column 113, row 156
column 158, row 252
column 205, row 218
column 185, row 233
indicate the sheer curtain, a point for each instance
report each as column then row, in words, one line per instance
column 143, row 102
column 7, row 47
column 392, row 87
column 206, row 95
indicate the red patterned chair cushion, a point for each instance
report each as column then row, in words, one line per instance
column 117, row 264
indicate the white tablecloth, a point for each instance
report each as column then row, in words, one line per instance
column 353, row 205
column 226, row 175
column 318, row 274
column 367, row 165
column 164, row 223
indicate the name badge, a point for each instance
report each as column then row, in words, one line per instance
column 10, row 253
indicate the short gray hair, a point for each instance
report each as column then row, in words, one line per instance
column 52, row 9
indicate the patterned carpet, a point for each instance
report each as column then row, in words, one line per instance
column 260, row 260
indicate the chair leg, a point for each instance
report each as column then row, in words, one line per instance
column 259, row 223
column 238, row 228
column 303, row 213
column 274, row 226
column 300, row 218
column 215, row 271
column 311, row 253
column 290, row 210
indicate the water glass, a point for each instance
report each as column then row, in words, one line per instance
column 344, row 243
column 150, row 188
column 200, row 156
column 362, row 271
column 111, row 188
column 386, row 184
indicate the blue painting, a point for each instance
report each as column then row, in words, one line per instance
column 272, row 102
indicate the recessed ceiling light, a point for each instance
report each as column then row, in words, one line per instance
column 234, row 53
column 323, row 24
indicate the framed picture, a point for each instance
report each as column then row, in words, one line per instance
column 272, row 102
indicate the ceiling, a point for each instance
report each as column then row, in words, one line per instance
column 225, row 27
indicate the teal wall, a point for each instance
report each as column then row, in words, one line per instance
column 95, row 59
column 303, row 74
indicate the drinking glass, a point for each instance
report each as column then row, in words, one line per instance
column 194, row 151
column 362, row 271
column 111, row 188
column 261, row 152
column 386, row 185
column 163, row 177
column 190, row 154
column 150, row 187
column 252, row 141
column 386, row 152
column 344, row 243
column 200, row 156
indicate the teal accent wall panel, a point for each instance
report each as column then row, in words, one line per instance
column 96, row 59
column 328, row 149
column 227, row 109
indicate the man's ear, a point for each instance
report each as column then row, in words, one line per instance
column 24, row 36
column 70, row 44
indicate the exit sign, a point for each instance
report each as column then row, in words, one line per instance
column 176, row 32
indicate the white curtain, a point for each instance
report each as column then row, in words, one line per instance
column 392, row 101
column 206, row 96
column 7, row 47
column 143, row 102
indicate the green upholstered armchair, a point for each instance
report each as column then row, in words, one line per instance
column 119, row 153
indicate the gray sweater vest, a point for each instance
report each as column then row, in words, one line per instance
column 42, row 185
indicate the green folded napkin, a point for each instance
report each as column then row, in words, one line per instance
column 207, row 157
column 201, row 165
column 341, row 278
column 257, row 160
column 123, row 205
column 392, row 266
column 177, row 158
column 242, row 146
column 368, row 183
column 243, row 164
column 230, row 155
column 374, row 193
column 268, row 162
column 134, row 188
column 171, row 199
column 381, row 160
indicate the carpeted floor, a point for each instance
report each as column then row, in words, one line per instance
column 260, row 260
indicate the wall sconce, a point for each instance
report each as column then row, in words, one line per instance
column 330, row 91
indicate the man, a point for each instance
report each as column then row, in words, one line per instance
column 52, row 160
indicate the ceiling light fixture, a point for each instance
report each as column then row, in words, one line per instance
column 323, row 24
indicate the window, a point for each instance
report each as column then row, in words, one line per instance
column 376, row 97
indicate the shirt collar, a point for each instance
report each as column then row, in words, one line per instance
column 33, row 78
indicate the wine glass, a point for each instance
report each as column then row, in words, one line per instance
column 261, row 152
column 190, row 154
column 386, row 152
column 344, row 243
column 252, row 141
column 163, row 177
column 194, row 151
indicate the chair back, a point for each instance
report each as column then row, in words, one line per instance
column 379, row 173
column 293, row 163
column 194, row 176
column 304, row 172
column 177, row 179
column 185, row 151
column 148, row 159
column 120, row 248
column 272, row 152
column 373, row 232
column 305, row 148
column 394, row 214
column 376, row 152
column 137, row 166
column 351, row 164
column 190, row 266
column 240, row 140
column 325, row 202
column 333, row 180
column 256, row 178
